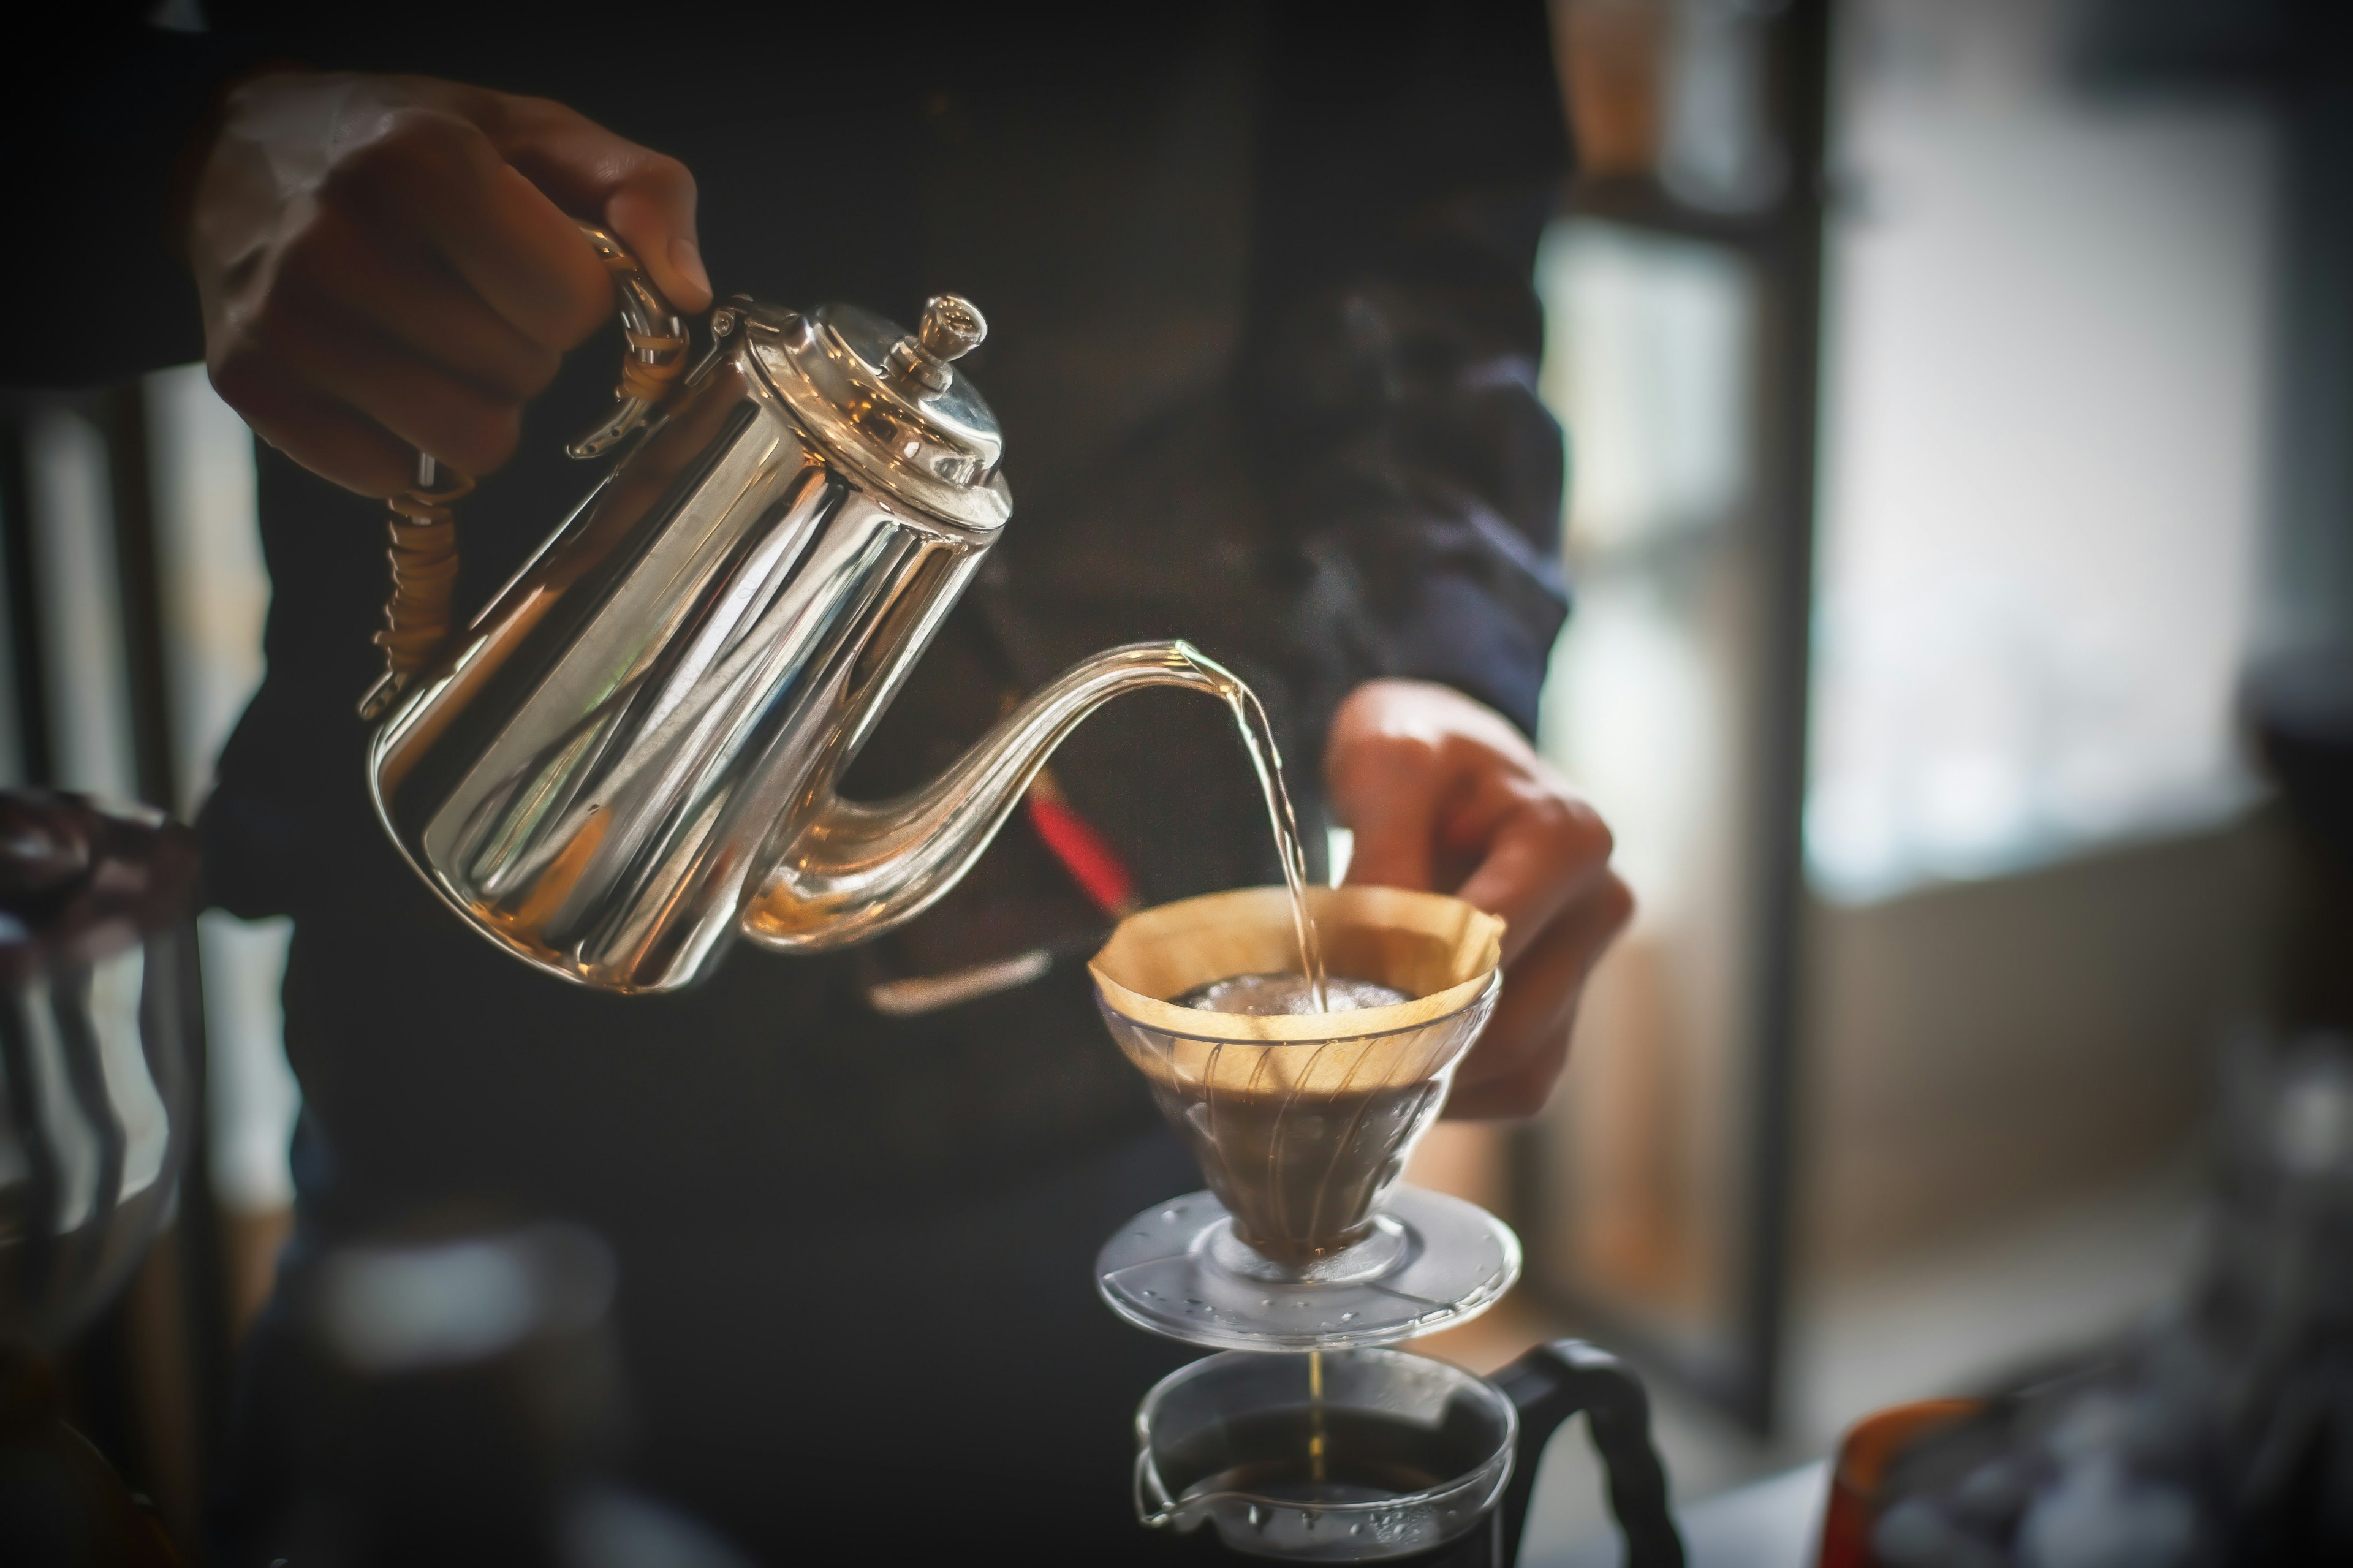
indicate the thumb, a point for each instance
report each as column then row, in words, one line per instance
column 646, row 198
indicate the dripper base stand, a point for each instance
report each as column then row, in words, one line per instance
column 1177, row 1270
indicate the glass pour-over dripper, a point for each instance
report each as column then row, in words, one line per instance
column 1302, row 1124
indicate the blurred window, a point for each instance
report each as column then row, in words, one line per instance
column 1648, row 366
column 216, row 592
column 1650, row 363
column 78, row 584
column 2042, row 490
column 213, row 593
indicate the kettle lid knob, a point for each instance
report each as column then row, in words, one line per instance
column 952, row 328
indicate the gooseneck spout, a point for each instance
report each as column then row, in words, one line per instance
column 849, row 871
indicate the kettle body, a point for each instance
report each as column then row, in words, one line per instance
column 596, row 772
column 629, row 757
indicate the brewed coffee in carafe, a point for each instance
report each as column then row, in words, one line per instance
column 1311, row 1455
column 1423, row 1465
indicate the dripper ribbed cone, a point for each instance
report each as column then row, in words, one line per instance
column 1302, row 1122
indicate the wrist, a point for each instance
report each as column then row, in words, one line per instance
column 186, row 177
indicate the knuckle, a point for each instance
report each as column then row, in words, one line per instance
column 572, row 301
column 1523, row 1091
column 412, row 143
column 510, row 110
column 1461, row 753
column 1404, row 750
column 531, row 371
column 262, row 333
column 587, row 301
column 571, row 317
column 665, row 175
column 1557, row 816
column 1558, row 823
column 311, row 246
column 427, row 131
column 236, row 374
column 1529, row 1094
column 1618, row 902
column 362, row 469
column 487, row 441
column 246, row 352
column 1577, row 828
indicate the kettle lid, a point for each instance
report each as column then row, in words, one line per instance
column 890, row 401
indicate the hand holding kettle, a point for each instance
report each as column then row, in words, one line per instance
column 390, row 267
column 389, row 264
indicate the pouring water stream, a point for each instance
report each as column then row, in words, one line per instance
column 1266, row 761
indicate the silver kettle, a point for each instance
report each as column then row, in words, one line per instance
column 630, row 756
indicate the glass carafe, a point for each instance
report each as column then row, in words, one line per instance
column 1379, row 1455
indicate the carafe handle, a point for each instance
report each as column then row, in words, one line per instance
column 1555, row 1382
column 424, row 528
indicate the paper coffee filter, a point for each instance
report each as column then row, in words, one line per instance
column 1439, row 950
column 1302, row 1122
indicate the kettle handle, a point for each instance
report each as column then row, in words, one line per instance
column 657, row 356
column 1553, row 1382
column 424, row 531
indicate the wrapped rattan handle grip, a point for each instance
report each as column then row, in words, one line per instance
column 657, row 356
column 424, row 529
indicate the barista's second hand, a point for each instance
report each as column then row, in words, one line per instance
column 1315, row 1415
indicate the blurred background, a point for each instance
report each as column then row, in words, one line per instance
column 1957, row 395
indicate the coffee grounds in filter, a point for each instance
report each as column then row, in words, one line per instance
column 1264, row 995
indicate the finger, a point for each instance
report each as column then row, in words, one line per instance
column 1391, row 804
column 652, row 211
column 331, row 439
column 1540, row 991
column 418, row 404
column 646, row 198
column 1543, row 850
column 389, row 284
column 1520, row 1054
column 1529, row 1027
column 1513, row 1099
column 436, row 175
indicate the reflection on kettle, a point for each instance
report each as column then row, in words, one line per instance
column 630, row 754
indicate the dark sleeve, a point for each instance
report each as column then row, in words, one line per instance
column 1408, row 166
column 98, row 118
